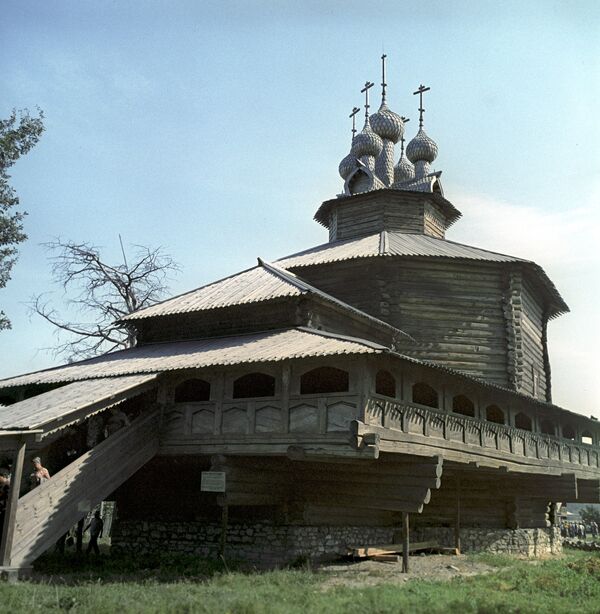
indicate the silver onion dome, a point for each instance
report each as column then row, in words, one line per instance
column 404, row 170
column 387, row 124
column 347, row 165
column 422, row 148
column 366, row 143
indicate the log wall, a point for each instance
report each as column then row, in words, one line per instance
column 453, row 309
column 412, row 215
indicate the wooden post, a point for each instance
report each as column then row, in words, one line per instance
column 219, row 394
column 457, row 523
column 285, row 397
column 405, row 542
column 8, row 530
column 79, row 535
column 224, row 521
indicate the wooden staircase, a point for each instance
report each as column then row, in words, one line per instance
column 47, row 512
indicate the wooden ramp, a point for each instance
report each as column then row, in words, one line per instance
column 46, row 513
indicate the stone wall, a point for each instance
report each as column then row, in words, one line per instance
column 522, row 542
column 267, row 544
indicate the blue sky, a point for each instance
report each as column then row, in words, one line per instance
column 215, row 129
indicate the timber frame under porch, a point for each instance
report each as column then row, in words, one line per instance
column 362, row 440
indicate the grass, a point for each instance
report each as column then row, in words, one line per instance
column 183, row 585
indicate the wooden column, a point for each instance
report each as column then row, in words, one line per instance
column 285, row 397
column 224, row 522
column 457, row 520
column 364, row 372
column 405, row 541
column 218, row 398
column 8, row 530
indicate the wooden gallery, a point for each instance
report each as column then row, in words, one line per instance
column 389, row 384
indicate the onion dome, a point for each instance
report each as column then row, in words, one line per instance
column 347, row 165
column 421, row 148
column 404, row 170
column 387, row 124
column 366, row 143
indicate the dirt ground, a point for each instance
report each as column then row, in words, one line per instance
column 428, row 567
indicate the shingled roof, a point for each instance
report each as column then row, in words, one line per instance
column 270, row 346
column 261, row 283
column 390, row 244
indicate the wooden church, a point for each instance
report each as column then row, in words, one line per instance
column 389, row 384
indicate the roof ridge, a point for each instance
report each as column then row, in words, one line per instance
column 383, row 243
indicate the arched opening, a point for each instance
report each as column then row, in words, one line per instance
column 192, row 390
column 6, row 400
column 568, row 432
column 254, row 385
column 463, row 405
column 385, row 383
column 523, row 421
column 424, row 394
column 587, row 437
column 547, row 427
column 324, row 380
column 494, row 414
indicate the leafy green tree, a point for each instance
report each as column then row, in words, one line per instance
column 18, row 134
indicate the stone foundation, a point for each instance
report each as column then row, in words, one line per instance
column 267, row 544
column 521, row 542
column 264, row 544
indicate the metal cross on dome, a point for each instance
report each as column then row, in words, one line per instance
column 352, row 116
column 365, row 91
column 420, row 91
column 405, row 120
column 383, row 83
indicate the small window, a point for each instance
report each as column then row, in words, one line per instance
column 568, row 432
column 587, row 437
column 385, row 384
column 547, row 427
column 494, row 414
column 463, row 405
column 523, row 421
column 192, row 390
column 424, row 394
column 254, row 385
column 323, row 380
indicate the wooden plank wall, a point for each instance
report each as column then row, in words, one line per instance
column 409, row 213
column 217, row 322
column 452, row 308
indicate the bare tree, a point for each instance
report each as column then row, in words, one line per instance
column 101, row 294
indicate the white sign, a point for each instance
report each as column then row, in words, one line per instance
column 213, row 481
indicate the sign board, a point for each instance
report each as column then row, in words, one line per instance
column 213, row 481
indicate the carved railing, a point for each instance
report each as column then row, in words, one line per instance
column 452, row 427
column 325, row 413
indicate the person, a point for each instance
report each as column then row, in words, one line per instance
column 4, row 488
column 40, row 473
column 96, row 527
column 116, row 421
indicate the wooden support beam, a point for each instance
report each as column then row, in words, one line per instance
column 224, row 521
column 405, row 541
column 8, row 530
column 457, row 520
